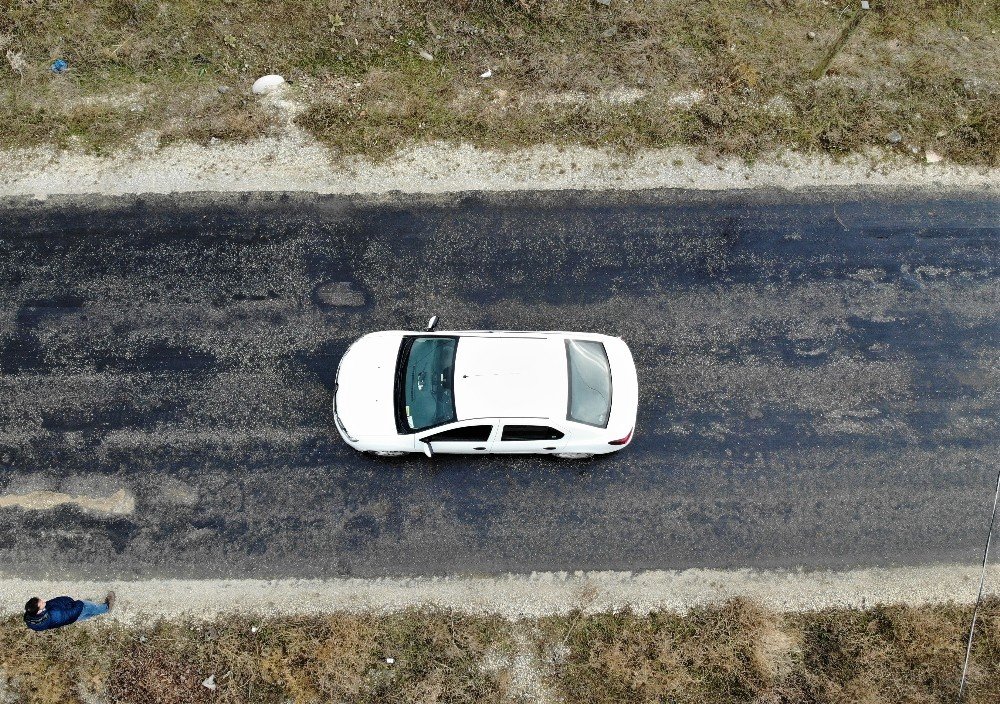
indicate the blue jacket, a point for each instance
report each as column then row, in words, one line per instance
column 61, row 611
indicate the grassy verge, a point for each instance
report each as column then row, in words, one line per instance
column 726, row 76
column 736, row 652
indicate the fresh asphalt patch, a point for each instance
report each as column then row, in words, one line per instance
column 818, row 381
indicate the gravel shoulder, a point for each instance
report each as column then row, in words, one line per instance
column 533, row 595
column 296, row 163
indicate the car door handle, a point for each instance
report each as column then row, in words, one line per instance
column 479, row 448
column 548, row 448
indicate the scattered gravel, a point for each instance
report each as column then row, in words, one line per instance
column 295, row 163
column 532, row 595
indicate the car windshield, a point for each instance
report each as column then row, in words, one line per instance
column 424, row 389
column 589, row 382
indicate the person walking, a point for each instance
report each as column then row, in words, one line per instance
column 43, row 614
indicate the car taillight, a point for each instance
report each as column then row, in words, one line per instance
column 624, row 440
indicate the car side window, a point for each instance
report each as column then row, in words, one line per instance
column 470, row 433
column 529, row 432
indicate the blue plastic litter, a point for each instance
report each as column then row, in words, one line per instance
column 59, row 66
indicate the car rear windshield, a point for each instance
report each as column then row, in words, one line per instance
column 425, row 377
column 589, row 382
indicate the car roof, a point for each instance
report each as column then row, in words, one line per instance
column 519, row 376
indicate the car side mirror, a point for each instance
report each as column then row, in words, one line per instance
column 428, row 450
column 432, row 323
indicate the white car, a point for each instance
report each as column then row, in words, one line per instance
column 566, row 394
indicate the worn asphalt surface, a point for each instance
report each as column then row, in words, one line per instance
column 819, row 379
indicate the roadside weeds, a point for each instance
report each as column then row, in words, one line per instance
column 735, row 652
column 727, row 77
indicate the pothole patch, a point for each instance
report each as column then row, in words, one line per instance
column 340, row 293
column 120, row 503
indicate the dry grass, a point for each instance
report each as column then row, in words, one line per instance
column 710, row 655
column 924, row 68
column 887, row 653
column 332, row 658
column 732, row 653
column 739, row 653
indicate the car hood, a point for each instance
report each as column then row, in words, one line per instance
column 365, row 380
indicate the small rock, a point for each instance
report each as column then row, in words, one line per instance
column 426, row 55
column 894, row 137
column 16, row 61
column 606, row 3
column 209, row 683
column 214, row 140
column 865, row 5
column 932, row 157
column 390, row 661
column 267, row 84
column 914, row 150
column 223, row 89
column 686, row 99
column 488, row 73
column 135, row 108
column 253, row 629
column 609, row 32
column 941, row 133
column 811, row 35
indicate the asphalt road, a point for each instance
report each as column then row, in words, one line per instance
column 819, row 379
